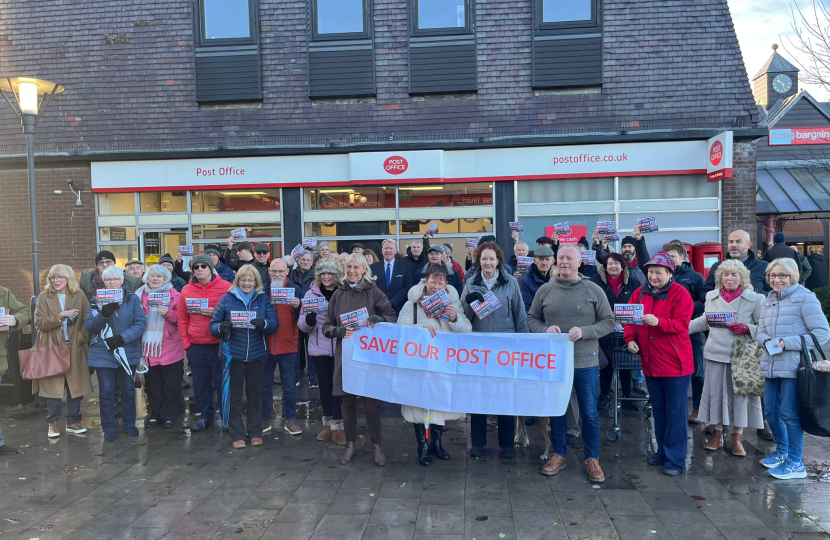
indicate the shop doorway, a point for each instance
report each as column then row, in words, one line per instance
column 156, row 242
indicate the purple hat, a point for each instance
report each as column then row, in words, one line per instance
column 661, row 258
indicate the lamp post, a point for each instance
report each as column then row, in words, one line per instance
column 31, row 96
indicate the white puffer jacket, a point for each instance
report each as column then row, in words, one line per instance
column 747, row 310
column 788, row 315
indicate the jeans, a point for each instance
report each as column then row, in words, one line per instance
column 164, row 391
column 668, row 402
column 478, row 430
column 246, row 377
column 288, row 363
column 781, row 411
column 586, row 381
column 700, row 370
column 637, row 376
column 332, row 405
column 73, row 408
column 107, row 380
column 207, row 377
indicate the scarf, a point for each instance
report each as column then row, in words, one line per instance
column 730, row 296
column 632, row 264
column 327, row 294
column 616, row 283
column 153, row 336
column 97, row 281
column 490, row 283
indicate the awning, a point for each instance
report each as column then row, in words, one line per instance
column 793, row 190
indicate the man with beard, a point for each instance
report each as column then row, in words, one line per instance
column 635, row 252
column 262, row 252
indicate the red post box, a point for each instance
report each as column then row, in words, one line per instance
column 690, row 252
column 706, row 254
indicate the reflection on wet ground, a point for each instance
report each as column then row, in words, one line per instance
column 168, row 483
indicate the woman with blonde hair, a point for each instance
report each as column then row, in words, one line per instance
column 719, row 404
column 246, row 346
column 358, row 290
column 789, row 314
column 59, row 308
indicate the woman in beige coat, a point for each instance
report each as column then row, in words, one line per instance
column 59, row 314
column 720, row 405
column 455, row 321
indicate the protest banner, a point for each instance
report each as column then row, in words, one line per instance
column 485, row 373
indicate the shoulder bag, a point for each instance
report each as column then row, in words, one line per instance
column 746, row 368
column 44, row 362
column 813, row 392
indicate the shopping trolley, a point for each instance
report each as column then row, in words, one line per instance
column 624, row 360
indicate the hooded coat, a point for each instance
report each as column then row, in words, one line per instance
column 195, row 327
column 318, row 344
column 246, row 344
column 345, row 299
column 129, row 322
column 49, row 324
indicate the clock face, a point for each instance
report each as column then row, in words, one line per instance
column 782, row 83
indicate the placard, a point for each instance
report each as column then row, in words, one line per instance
column 297, row 252
column 242, row 319
column 472, row 243
column 562, row 228
column 186, row 251
column 628, row 313
column 313, row 305
column 647, row 224
column 589, row 257
column 108, row 296
column 158, row 299
column 310, row 243
column 355, row 319
column 720, row 319
column 432, row 229
column 239, row 234
column 281, row 295
column 435, row 304
column 195, row 305
column 523, row 264
column 483, row 309
column 516, row 226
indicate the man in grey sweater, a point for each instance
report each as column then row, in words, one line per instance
column 580, row 308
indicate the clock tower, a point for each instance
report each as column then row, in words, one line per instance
column 778, row 79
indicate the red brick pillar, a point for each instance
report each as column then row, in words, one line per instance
column 738, row 194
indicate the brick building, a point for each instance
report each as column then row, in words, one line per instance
column 368, row 119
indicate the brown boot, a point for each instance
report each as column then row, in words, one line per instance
column 715, row 441
column 326, row 433
column 553, row 465
column 348, row 454
column 380, row 457
column 737, row 445
column 337, row 433
column 693, row 418
column 595, row 473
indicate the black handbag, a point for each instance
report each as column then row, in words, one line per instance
column 813, row 392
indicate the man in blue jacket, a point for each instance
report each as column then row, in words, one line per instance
column 537, row 275
column 394, row 275
column 223, row 270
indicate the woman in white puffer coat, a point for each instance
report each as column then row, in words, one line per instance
column 455, row 321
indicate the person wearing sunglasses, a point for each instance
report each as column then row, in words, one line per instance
column 91, row 280
column 202, row 347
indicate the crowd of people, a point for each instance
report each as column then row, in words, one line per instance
column 233, row 366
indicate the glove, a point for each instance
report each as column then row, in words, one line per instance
column 311, row 319
column 108, row 309
column 473, row 296
column 114, row 342
column 739, row 329
column 225, row 327
column 259, row 324
column 340, row 332
column 375, row 319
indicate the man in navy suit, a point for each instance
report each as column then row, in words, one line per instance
column 393, row 275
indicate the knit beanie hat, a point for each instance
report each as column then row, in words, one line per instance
column 628, row 240
column 166, row 258
column 202, row 258
column 779, row 238
column 104, row 255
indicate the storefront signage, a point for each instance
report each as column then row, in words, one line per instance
column 118, row 234
column 799, row 135
column 719, row 162
column 395, row 165
column 381, row 167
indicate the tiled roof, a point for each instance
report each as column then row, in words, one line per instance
column 776, row 64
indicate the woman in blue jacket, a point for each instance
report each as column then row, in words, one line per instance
column 246, row 348
column 116, row 329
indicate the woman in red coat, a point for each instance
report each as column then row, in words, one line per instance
column 662, row 341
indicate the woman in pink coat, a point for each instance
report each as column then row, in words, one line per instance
column 161, row 346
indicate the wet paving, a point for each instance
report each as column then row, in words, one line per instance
column 169, row 484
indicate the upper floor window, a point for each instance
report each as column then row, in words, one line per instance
column 226, row 21
column 558, row 13
column 441, row 16
column 339, row 19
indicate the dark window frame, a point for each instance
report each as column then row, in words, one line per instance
column 593, row 22
column 253, row 21
column 467, row 29
column 365, row 34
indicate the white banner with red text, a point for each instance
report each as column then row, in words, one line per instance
column 509, row 374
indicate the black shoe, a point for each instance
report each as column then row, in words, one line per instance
column 476, row 451
column 655, row 460
column 604, row 402
column 640, row 388
column 7, row 450
column 169, row 423
column 508, row 452
column 423, row 447
column 765, row 434
column 152, row 422
column 530, row 420
column 571, row 440
column 201, row 425
column 435, row 433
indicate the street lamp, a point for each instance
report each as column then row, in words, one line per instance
column 31, row 96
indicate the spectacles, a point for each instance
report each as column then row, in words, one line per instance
column 106, row 263
column 110, row 280
column 779, row 276
column 247, row 281
column 200, row 266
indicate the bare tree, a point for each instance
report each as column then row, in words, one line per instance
column 811, row 29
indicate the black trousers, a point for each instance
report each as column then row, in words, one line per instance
column 478, row 430
column 325, row 378
column 700, row 373
column 246, row 379
column 606, row 375
column 164, row 391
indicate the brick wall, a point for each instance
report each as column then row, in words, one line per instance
column 738, row 194
column 66, row 232
column 129, row 74
column 802, row 228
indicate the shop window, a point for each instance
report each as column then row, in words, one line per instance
column 207, row 234
column 260, row 200
column 319, row 229
column 433, row 15
column 340, row 19
column 226, row 21
column 116, row 234
column 444, row 195
column 449, row 226
column 163, row 201
column 122, row 253
column 361, row 198
column 583, row 225
column 567, row 190
column 567, row 44
column 116, row 204
column 564, row 12
column 666, row 187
